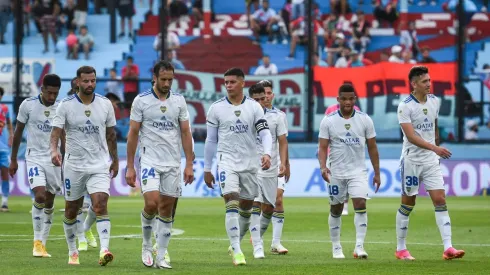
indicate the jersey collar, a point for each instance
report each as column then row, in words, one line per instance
column 244, row 98
column 156, row 96
column 353, row 113
column 40, row 99
column 80, row 100
column 414, row 98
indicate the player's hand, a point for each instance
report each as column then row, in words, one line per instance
column 193, row 156
column 287, row 174
column 266, row 162
column 13, row 168
column 114, row 169
column 282, row 170
column 376, row 182
column 325, row 173
column 209, row 179
column 188, row 174
column 131, row 176
column 56, row 158
column 442, row 152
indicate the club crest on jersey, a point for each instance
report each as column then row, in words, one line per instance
column 31, row 180
column 425, row 111
column 46, row 113
column 87, row 113
column 238, row 112
column 347, row 126
column 163, row 109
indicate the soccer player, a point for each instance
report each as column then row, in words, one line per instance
column 268, row 179
column 90, row 160
column 160, row 118
column 417, row 115
column 37, row 114
column 278, row 212
column 347, row 132
column 5, row 143
column 233, row 124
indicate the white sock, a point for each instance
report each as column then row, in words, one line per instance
column 104, row 231
column 277, row 225
column 89, row 220
column 444, row 223
column 244, row 221
column 48, row 222
column 255, row 226
column 265, row 220
column 80, row 227
column 155, row 230
column 335, row 224
column 360, row 222
column 164, row 234
column 70, row 227
column 232, row 225
column 402, row 218
column 37, row 220
column 5, row 200
column 147, row 223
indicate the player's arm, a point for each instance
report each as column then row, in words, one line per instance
column 283, row 151
column 111, row 138
column 210, row 147
column 132, row 143
column 187, row 145
column 374, row 156
column 323, row 142
column 63, row 144
column 438, row 139
column 53, row 145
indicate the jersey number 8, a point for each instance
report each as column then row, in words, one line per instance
column 67, row 184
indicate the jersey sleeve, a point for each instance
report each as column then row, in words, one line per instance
column 404, row 113
column 183, row 113
column 111, row 117
column 281, row 128
column 211, row 118
column 324, row 129
column 438, row 106
column 370, row 131
column 59, row 119
column 136, row 110
column 23, row 115
column 285, row 120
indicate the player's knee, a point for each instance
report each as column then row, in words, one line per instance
column 100, row 208
column 336, row 210
column 438, row 201
column 39, row 197
column 267, row 209
column 151, row 207
column 359, row 203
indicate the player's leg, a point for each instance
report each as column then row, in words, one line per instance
column 358, row 190
column 249, row 186
column 150, row 181
column 48, row 217
column 98, row 188
column 408, row 173
column 255, row 231
column 434, row 184
column 37, row 180
column 4, row 164
column 337, row 190
column 267, row 195
column 82, row 240
column 53, row 187
column 88, row 220
column 277, row 219
column 345, row 212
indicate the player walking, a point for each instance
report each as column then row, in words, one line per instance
column 161, row 120
column 37, row 114
column 5, row 143
column 347, row 132
column 90, row 160
column 417, row 115
column 233, row 124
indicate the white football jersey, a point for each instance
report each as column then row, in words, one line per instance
column 160, row 137
column 277, row 128
column 38, row 118
column 237, row 149
column 422, row 117
column 85, row 127
column 347, row 142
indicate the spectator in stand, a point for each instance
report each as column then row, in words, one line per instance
column 248, row 4
column 173, row 43
column 262, row 21
column 51, row 9
column 299, row 33
column 341, row 7
column 384, row 56
column 360, row 33
column 80, row 15
column 177, row 8
column 178, row 65
column 85, row 43
column 37, row 12
column 267, row 68
column 426, row 58
column 423, row 2
column 130, row 75
column 113, row 86
column 126, row 11
column 198, row 13
column 357, row 61
column 331, row 26
column 385, row 12
column 317, row 61
column 27, row 13
column 335, row 50
column 297, row 9
column 67, row 17
column 409, row 40
column 71, row 41
column 407, row 57
column 470, row 10
column 396, row 54
column 74, row 87
column 286, row 14
column 471, row 130
column 5, row 14
column 484, row 6
column 343, row 60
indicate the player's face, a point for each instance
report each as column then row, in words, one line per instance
column 86, row 83
column 269, row 96
column 421, row 84
column 49, row 94
column 346, row 101
column 234, row 85
column 163, row 82
column 260, row 98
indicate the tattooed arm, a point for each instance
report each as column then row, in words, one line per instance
column 111, row 138
column 53, row 144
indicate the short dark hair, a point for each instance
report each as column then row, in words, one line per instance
column 52, row 80
column 162, row 65
column 236, row 72
column 2, row 91
column 266, row 83
column 256, row 89
column 346, row 88
column 417, row 71
column 85, row 70
column 130, row 57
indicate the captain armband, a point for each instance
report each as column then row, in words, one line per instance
column 261, row 125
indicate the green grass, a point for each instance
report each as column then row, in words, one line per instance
column 202, row 248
